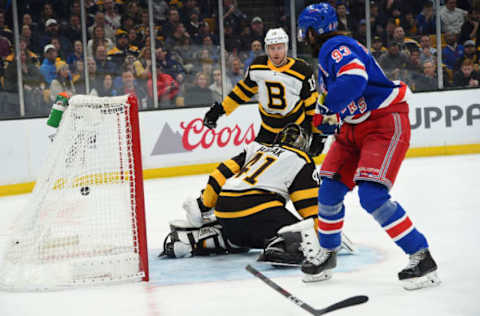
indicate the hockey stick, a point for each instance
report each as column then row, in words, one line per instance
column 354, row 300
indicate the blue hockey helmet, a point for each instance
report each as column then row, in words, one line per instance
column 321, row 17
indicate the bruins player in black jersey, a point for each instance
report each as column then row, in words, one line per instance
column 250, row 207
column 286, row 91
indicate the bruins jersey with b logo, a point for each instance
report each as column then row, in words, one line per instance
column 286, row 94
column 260, row 178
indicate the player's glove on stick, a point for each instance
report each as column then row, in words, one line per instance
column 326, row 121
column 317, row 144
column 211, row 117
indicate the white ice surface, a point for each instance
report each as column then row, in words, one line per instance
column 441, row 196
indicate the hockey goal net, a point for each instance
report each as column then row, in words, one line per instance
column 85, row 222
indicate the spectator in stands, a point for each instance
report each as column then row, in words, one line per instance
column 199, row 94
column 378, row 20
column 76, row 8
column 106, row 89
column 26, row 35
column 452, row 52
column 235, row 73
column 34, row 58
column 389, row 29
column 104, row 65
column 77, row 69
column 48, row 68
column 27, row 20
column 134, row 38
column 470, row 29
column 413, row 64
column 98, row 39
column 52, row 30
column 76, row 55
column 128, row 23
column 469, row 52
column 129, row 86
column 255, row 51
column 112, row 18
column 189, row 6
column 409, row 24
column 216, row 86
column 233, row 43
column 169, row 65
column 133, row 10
column 160, row 10
column 393, row 61
column 177, row 37
column 46, row 14
column 143, row 65
column 452, row 17
column 258, row 31
column 61, row 53
column 427, row 52
column 171, row 25
column 377, row 47
column 361, row 33
column 428, row 79
column 193, row 24
column 232, row 14
column 100, row 21
column 62, row 82
column 143, row 26
column 167, row 88
column 74, row 28
column 203, row 32
column 426, row 19
column 33, row 83
column 345, row 23
column 213, row 50
column 122, row 49
column 466, row 76
column 406, row 43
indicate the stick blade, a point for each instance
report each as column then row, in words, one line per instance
column 351, row 301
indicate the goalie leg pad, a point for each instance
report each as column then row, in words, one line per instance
column 185, row 240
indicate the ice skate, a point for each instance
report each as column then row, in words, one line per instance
column 318, row 262
column 420, row 272
column 282, row 251
column 319, row 267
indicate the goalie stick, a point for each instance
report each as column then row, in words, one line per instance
column 354, row 300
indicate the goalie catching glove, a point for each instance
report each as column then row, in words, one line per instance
column 211, row 117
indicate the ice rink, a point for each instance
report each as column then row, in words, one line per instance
column 440, row 194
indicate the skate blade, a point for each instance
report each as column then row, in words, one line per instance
column 429, row 280
column 322, row 276
column 280, row 264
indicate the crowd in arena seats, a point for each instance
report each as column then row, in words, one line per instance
column 187, row 49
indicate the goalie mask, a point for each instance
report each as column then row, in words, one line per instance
column 293, row 135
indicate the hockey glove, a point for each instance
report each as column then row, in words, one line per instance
column 57, row 110
column 317, row 144
column 325, row 120
column 211, row 117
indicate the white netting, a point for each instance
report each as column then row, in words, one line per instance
column 79, row 226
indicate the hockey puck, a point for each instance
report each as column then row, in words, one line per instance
column 85, row 190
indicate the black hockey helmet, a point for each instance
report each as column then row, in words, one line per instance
column 293, row 135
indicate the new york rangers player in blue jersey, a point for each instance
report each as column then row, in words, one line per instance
column 368, row 114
